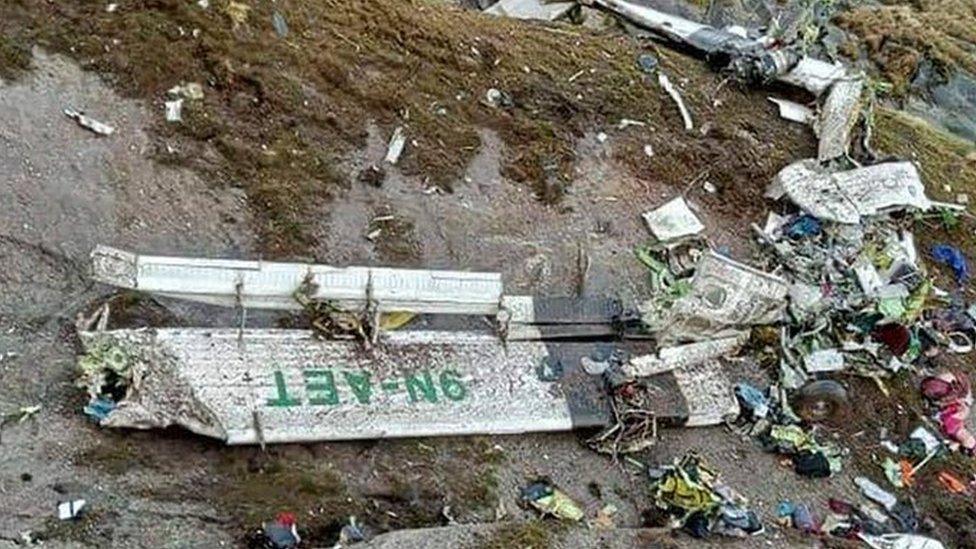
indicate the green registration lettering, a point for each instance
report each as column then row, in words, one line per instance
column 424, row 384
column 320, row 387
column 359, row 383
column 451, row 385
column 282, row 399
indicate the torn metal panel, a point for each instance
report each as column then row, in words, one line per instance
column 814, row 75
column 673, row 220
column 792, row 111
column 99, row 128
column 707, row 390
column 671, row 358
column 397, row 143
column 268, row 285
column 271, row 386
column 837, row 118
column 725, row 297
column 846, row 196
column 531, row 9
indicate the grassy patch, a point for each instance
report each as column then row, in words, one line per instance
column 256, row 490
column 948, row 167
column 116, row 455
column 534, row 534
column 89, row 529
column 943, row 158
column 280, row 116
column 15, row 58
column 898, row 36
column 281, row 113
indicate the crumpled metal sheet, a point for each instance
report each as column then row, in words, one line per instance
column 846, row 196
column 726, row 296
column 837, row 118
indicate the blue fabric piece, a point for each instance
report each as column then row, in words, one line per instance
column 99, row 408
column 803, row 519
column 951, row 256
column 752, row 399
column 785, row 509
column 803, row 226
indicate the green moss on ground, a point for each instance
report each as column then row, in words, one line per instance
column 116, row 455
column 944, row 159
column 534, row 534
column 897, row 37
column 281, row 115
column 15, row 58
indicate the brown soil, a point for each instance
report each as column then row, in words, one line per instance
column 897, row 37
column 281, row 116
column 899, row 413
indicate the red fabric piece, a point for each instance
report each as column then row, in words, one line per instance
column 895, row 336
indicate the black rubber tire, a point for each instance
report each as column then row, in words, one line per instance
column 821, row 400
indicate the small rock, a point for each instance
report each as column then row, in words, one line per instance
column 647, row 63
column 649, row 151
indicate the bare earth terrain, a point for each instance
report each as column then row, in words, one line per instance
column 518, row 191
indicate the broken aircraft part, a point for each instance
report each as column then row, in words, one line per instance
column 269, row 386
column 757, row 60
column 837, row 119
column 269, row 285
column 846, row 196
column 725, row 297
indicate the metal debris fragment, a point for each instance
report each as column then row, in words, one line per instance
column 725, row 298
column 174, row 110
column 70, row 509
column 397, row 143
column 269, row 285
column 673, row 220
column 665, row 83
column 99, row 128
column 531, row 9
column 837, row 118
column 794, row 112
column 847, row 196
column 671, row 358
column 814, row 75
